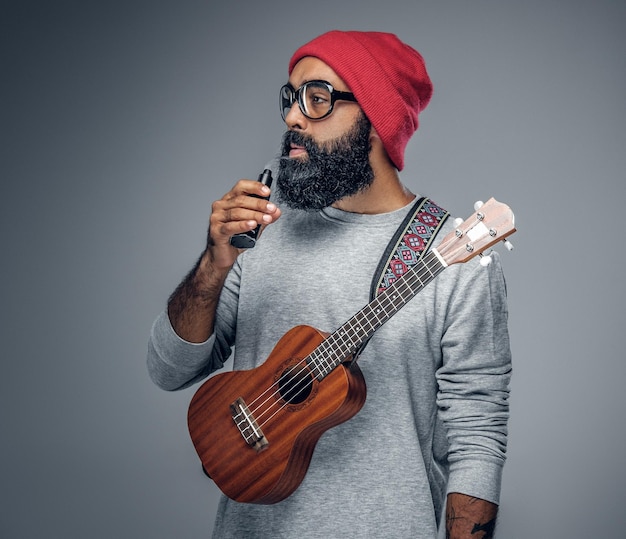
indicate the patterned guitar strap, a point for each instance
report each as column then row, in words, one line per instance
column 411, row 240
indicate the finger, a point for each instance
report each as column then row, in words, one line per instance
column 248, row 188
column 244, row 209
column 221, row 231
column 226, row 220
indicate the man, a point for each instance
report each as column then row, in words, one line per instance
column 432, row 432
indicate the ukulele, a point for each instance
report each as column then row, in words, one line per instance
column 255, row 430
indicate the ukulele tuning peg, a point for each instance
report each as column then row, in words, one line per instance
column 485, row 260
column 478, row 204
column 508, row 245
column 458, row 222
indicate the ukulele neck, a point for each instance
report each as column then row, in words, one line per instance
column 346, row 340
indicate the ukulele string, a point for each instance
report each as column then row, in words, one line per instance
column 310, row 377
column 297, row 378
column 302, row 363
column 385, row 299
column 292, row 384
column 296, row 381
column 406, row 281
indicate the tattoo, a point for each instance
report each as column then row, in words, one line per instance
column 450, row 518
column 488, row 528
column 468, row 516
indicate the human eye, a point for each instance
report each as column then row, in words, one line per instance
column 318, row 98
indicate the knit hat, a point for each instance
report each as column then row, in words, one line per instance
column 387, row 77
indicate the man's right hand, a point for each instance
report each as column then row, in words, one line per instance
column 237, row 212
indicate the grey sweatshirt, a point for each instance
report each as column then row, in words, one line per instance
column 437, row 374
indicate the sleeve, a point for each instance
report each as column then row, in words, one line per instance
column 174, row 363
column 474, row 381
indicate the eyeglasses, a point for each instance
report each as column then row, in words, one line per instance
column 316, row 99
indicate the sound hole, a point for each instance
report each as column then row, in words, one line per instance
column 295, row 385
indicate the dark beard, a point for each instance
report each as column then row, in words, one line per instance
column 330, row 171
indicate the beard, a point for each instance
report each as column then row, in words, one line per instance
column 331, row 171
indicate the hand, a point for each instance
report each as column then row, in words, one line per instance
column 238, row 211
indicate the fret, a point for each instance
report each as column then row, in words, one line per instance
column 313, row 365
column 372, row 312
column 347, row 335
column 340, row 344
column 386, row 306
column 377, row 309
column 320, row 363
column 324, row 365
column 433, row 259
column 362, row 321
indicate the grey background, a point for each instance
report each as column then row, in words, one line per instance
column 122, row 122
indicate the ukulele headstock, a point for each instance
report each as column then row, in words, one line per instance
column 492, row 222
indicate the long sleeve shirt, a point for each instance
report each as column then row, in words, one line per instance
column 437, row 375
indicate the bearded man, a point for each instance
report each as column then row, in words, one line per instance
column 423, row 457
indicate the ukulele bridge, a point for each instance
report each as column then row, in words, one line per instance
column 247, row 425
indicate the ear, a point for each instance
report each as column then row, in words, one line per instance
column 376, row 142
column 373, row 134
column 378, row 152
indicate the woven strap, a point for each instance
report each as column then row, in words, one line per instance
column 411, row 240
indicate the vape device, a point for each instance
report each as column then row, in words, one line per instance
column 247, row 240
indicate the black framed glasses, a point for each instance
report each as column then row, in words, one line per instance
column 316, row 99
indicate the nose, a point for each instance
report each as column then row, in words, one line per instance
column 295, row 119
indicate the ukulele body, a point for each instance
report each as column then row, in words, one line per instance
column 255, row 441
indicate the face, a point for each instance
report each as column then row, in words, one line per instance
column 326, row 160
column 324, row 173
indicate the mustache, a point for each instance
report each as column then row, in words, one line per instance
column 299, row 139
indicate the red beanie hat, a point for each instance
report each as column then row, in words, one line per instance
column 387, row 77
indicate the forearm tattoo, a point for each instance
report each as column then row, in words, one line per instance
column 465, row 521
column 488, row 528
